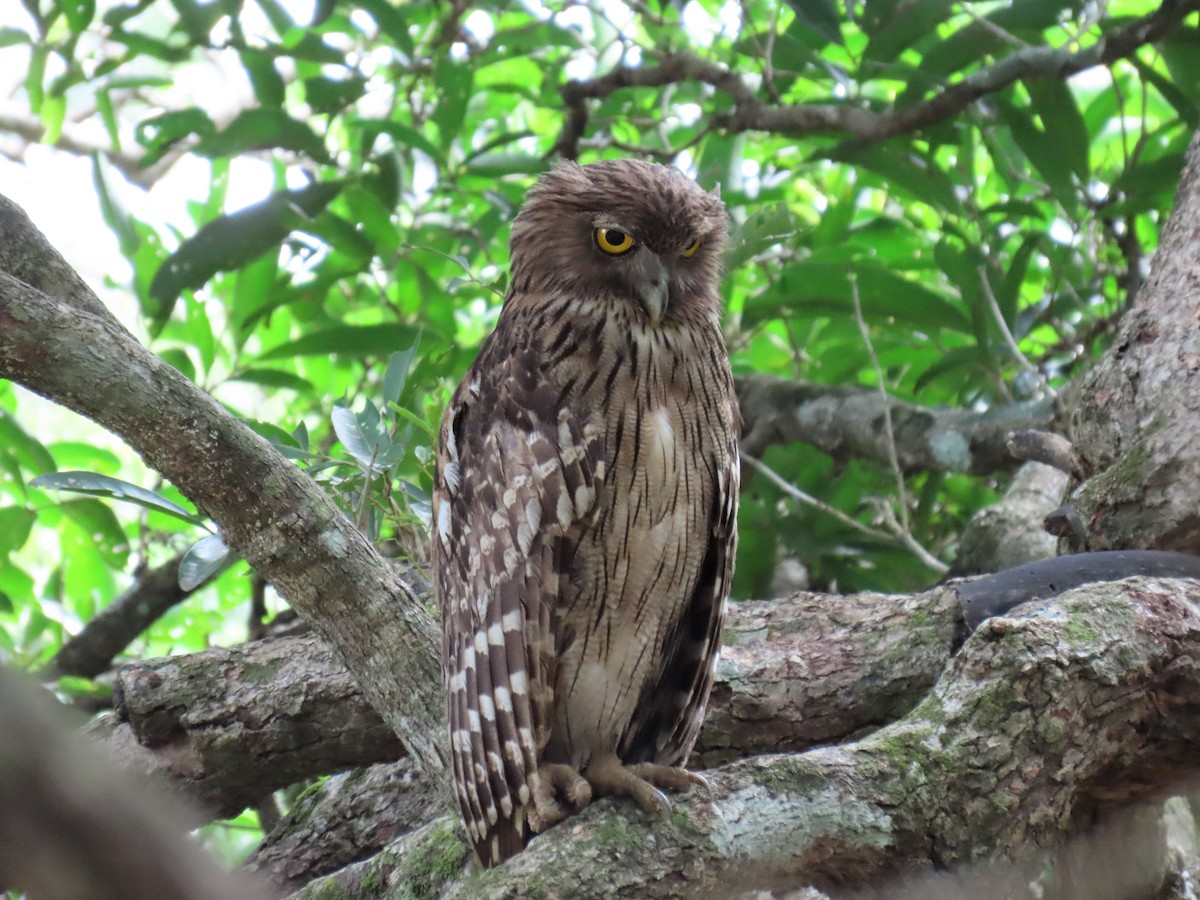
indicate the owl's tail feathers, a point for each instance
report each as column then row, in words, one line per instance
column 504, row 840
column 556, row 791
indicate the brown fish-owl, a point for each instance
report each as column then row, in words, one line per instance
column 585, row 505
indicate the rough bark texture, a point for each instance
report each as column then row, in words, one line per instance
column 1043, row 722
column 1136, row 426
column 227, row 727
column 352, row 816
column 57, row 339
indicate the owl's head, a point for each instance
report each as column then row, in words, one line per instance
column 621, row 231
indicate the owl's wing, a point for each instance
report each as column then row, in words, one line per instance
column 670, row 709
column 516, row 469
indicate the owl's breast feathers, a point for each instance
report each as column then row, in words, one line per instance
column 584, row 512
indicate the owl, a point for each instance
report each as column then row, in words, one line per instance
column 585, row 506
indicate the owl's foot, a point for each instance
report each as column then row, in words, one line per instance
column 561, row 791
column 609, row 778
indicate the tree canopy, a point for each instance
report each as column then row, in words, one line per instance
column 940, row 212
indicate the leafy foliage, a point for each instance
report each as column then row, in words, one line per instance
column 393, row 144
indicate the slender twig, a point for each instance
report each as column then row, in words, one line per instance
column 893, row 459
column 808, row 500
column 1011, row 341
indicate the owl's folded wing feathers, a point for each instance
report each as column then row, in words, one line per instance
column 516, row 470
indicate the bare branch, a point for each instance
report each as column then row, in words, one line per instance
column 845, row 422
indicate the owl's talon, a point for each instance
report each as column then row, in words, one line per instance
column 560, row 792
column 608, row 778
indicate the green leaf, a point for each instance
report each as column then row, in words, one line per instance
column 398, row 367
column 178, row 359
column 1043, row 151
column 270, row 431
column 79, row 13
column 816, row 287
column 819, row 15
column 893, row 29
column 33, row 78
column 233, row 241
column 11, row 37
column 264, row 77
column 347, row 340
column 274, row 378
column 1183, row 101
column 159, row 134
column 331, row 95
column 116, row 216
column 262, row 128
column 363, row 435
column 1062, row 122
column 77, row 687
column 16, row 522
column 902, row 168
column 100, row 524
column 453, row 80
column 1181, row 52
column 495, row 165
column 54, row 113
column 27, row 450
column 96, row 485
column 404, row 135
column 204, row 560
column 1151, row 177
column 392, row 22
column 760, row 231
column 77, row 454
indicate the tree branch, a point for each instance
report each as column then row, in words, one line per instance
column 845, row 422
column 865, row 126
column 67, row 347
column 227, row 727
column 1051, row 717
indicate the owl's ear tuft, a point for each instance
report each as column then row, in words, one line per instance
column 715, row 193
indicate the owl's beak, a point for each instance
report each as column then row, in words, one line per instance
column 654, row 289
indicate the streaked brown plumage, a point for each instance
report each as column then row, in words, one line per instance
column 585, row 505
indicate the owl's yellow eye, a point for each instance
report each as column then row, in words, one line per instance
column 612, row 241
column 692, row 248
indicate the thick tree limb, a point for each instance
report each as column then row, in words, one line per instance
column 227, row 727
column 847, row 423
column 57, row 339
column 1135, row 424
column 1042, row 722
column 863, row 125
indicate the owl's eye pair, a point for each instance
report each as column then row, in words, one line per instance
column 616, row 243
